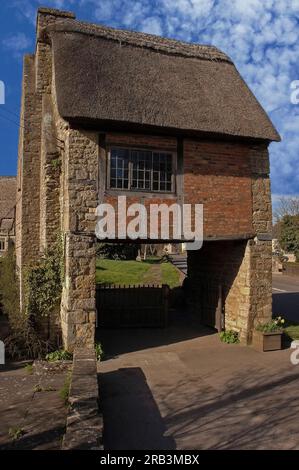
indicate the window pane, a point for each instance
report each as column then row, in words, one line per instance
column 119, row 166
column 113, row 162
column 162, row 174
column 141, row 161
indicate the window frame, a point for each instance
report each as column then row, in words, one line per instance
column 130, row 169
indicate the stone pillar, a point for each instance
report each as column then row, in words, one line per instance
column 78, row 307
column 260, row 284
column 80, row 199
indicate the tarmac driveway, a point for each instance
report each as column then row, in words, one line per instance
column 181, row 388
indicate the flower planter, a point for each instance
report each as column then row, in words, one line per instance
column 267, row 341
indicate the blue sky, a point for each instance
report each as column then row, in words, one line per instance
column 261, row 36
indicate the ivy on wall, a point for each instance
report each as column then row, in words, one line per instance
column 43, row 282
column 43, row 288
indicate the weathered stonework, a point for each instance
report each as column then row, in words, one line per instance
column 78, row 309
column 84, row 426
column 7, row 212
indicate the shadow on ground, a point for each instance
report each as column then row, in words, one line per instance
column 131, row 416
column 182, row 326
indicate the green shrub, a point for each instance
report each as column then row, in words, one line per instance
column 29, row 369
column 117, row 251
column 59, row 355
column 99, row 351
column 276, row 324
column 16, row 433
column 43, row 283
column 9, row 291
column 65, row 390
column 22, row 340
column 42, row 293
column 229, row 336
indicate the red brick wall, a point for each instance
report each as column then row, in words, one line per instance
column 216, row 174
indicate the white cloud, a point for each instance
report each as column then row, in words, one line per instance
column 17, row 44
column 151, row 25
column 28, row 8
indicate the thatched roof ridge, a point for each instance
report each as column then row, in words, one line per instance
column 138, row 39
column 55, row 12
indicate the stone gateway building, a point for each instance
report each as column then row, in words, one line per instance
column 107, row 112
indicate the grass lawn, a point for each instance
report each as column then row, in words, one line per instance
column 170, row 275
column 292, row 331
column 120, row 272
column 136, row 272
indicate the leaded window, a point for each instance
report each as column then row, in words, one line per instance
column 141, row 170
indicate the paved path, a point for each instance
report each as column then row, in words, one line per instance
column 31, row 403
column 286, row 296
column 195, row 392
column 283, row 283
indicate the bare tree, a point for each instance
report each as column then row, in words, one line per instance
column 286, row 206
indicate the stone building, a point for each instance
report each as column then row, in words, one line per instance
column 108, row 112
column 7, row 211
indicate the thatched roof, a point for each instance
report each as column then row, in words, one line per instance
column 8, row 186
column 113, row 76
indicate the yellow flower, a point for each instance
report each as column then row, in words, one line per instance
column 282, row 321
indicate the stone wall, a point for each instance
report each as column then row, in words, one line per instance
column 49, row 178
column 261, row 190
column 28, row 182
column 84, row 426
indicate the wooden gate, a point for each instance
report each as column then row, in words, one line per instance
column 132, row 306
column 209, row 295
